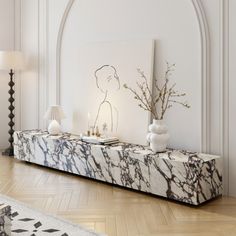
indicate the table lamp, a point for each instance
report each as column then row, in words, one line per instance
column 11, row 61
column 55, row 114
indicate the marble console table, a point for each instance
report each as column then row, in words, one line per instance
column 184, row 176
column 5, row 220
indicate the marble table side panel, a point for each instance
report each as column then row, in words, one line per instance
column 174, row 180
column 210, row 180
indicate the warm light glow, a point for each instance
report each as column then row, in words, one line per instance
column 11, row 60
column 89, row 117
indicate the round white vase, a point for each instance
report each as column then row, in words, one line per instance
column 54, row 127
column 158, row 136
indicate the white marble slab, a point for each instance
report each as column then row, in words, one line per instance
column 184, row 176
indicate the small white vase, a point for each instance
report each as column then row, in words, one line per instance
column 158, row 136
column 54, row 127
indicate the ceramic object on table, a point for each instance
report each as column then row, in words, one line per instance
column 158, row 136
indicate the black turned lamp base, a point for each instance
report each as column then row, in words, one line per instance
column 8, row 152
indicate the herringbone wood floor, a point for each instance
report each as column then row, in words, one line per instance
column 112, row 210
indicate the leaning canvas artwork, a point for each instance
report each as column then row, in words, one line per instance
column 97, row 100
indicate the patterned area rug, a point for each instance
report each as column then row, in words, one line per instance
column 29, row 222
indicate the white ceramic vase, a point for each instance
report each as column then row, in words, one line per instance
column 158, row 136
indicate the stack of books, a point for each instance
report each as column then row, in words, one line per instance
column 100, row 140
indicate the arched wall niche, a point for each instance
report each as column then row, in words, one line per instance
column 170, row 42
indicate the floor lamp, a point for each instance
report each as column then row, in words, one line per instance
column 11, row 61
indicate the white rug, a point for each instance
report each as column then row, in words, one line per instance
column 29, row 222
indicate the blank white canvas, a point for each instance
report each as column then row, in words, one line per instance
column 82, row 94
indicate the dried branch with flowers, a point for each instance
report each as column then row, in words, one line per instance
column 161, row 98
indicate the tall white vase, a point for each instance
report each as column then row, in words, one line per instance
column 158, row 136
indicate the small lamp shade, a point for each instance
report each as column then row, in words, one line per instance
column 11, row 60
column 54, row 113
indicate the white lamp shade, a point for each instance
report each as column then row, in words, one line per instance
column 54, row 113
column 11, row 60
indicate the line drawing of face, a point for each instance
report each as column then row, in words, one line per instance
column 107, row 79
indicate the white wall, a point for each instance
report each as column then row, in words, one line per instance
column 29, row 80
column 192, row 33
column 232, row 97
column 6, row 43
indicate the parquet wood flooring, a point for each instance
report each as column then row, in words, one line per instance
column 112, row 210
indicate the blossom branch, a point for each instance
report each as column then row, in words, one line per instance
column 164, row 98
